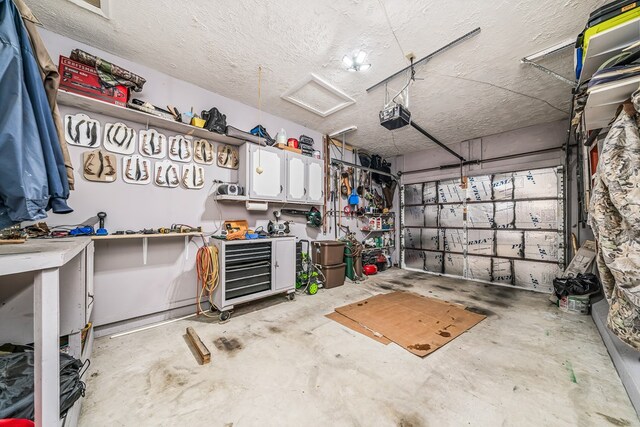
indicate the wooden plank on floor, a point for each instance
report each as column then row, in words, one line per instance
column 201, row 349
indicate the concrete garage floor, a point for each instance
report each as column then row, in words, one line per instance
column 284, row 364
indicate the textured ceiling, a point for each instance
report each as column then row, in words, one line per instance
column 475, row 89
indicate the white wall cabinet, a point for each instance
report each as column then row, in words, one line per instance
column 285, row 176
column 297, row 180
column 315, row 180
column 268, row 185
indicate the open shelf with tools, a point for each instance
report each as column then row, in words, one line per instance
column 145, row 237
column 116, row 111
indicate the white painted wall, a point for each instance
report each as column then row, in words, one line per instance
column 124, row 286
column 527, row 139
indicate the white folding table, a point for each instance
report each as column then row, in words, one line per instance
column 44, row 258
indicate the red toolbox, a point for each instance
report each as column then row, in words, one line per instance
column 83, row 79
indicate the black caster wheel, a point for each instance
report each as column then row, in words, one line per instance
column 224, row 315
column 291, row 296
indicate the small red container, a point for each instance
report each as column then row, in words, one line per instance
column 292, row 142
column 370, row 269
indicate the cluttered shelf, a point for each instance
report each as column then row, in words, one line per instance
column 145, row 236
column 604, row 100
column 378, row 248
column 244, row 198
column 608, row 44
column 96, row 106
column 378, row 214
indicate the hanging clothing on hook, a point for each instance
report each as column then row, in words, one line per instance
column 33, row 176
column 615, row 219
column 51, row 78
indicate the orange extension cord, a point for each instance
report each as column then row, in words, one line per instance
column 207, row 266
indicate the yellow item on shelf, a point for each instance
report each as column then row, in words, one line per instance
column 197, row 122
column 607, row 25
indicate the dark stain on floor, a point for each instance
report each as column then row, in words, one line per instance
column 409, row 421
column 414, row 276
column 444, row 334
column 444, row 288
column 275, row 330
column 497, row 302
column 403, row 283
column 386, row 287
column 230, row 345
column 614, row 421
column 480, row 310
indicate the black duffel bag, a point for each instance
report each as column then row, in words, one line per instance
column 215, row 121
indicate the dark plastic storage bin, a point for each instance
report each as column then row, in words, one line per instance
column 327, row 252
column 333, row 275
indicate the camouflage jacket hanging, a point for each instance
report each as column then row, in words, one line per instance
column 615, row 220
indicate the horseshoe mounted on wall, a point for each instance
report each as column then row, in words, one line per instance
column 118, row 138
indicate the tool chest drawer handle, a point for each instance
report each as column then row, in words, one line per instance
column 247, row 267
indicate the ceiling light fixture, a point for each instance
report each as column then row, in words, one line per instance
column 355, row 62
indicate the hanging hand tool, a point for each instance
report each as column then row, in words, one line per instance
column 354, row 200
column 345, row 188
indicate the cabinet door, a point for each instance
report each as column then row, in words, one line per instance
column 296, row 178
column 285, row 264
column 315, row 180
column 270, row 183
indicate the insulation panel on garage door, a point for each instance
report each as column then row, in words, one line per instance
column 505, row 228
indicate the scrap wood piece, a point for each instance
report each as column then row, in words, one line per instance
column 11, row 241
column 201, row 349
column 357, row 327
column 417, row 323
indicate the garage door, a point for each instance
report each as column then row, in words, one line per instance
column 504, row 228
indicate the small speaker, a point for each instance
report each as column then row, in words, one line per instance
column 230, row 189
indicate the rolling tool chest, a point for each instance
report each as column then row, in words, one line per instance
column 254, row 269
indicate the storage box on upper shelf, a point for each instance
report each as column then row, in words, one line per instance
column 81, row 78
column 284, row 176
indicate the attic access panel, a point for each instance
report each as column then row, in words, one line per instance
column 504, row 228
column 318, row 96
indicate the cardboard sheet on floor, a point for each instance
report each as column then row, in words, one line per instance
column 415, row 322
column 355, row 326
